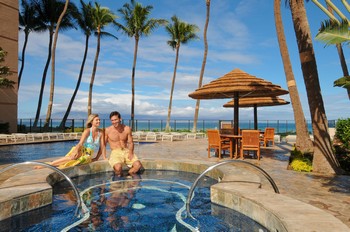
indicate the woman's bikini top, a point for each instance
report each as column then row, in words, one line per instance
column 90, row 143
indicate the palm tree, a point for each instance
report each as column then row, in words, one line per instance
column 28, row 22
column 332, row 32
column 137, row 24
column 303, row 142
column 196, row 112
column 52, row 86
column 85, row 21
column 180, row 33
column 4, row 72
column 324, row 160
column 49, row 12
column 102, row 16
column 336, row 32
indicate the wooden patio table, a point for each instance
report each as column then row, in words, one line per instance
column 234, row 140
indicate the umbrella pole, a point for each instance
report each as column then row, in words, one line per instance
column 236, row 114
column 255, row 117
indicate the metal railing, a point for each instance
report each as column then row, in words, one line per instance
column 79, row 200
column 78, row 125
column 262, row 171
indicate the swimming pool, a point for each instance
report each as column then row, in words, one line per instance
column 28, row 152
column 153, row 201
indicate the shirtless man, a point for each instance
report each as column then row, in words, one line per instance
column 119, row 137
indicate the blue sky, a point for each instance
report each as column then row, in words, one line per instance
column 241, row 34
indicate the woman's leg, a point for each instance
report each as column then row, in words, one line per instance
column 60, row 161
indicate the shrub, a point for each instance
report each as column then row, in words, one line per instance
column 4, row 127
column 301, row 165
column 300, row 162
column 343, row 131
column 342, row 143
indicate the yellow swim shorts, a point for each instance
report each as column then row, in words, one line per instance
column 120, row 156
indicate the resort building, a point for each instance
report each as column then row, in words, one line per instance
column 9, row 43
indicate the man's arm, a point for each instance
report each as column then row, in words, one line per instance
column 130, row 144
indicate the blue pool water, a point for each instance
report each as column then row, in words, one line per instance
column 153, row 201
column 29, row 152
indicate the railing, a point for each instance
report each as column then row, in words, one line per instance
column 78, row 197
column 261, row 171
column 78, row 125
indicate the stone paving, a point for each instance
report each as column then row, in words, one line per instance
column 329, row 193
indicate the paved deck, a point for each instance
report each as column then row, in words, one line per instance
column 328, row 193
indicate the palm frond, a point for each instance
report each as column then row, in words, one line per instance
column 342, row 82
column 104, row 34
column 6, row 83
column 332, row 33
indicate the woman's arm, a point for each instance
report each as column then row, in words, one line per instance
column 102, row 149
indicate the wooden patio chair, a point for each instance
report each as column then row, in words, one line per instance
column 225, row 125
column 250, row 142
column 215, row 142
column 268, row 136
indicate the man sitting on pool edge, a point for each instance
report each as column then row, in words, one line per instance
column 119, row 137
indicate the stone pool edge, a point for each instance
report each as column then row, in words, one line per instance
column 276, row 212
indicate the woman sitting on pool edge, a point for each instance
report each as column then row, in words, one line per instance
column 91, row 141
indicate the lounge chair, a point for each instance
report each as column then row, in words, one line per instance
column 5, row 137
column 151, row 136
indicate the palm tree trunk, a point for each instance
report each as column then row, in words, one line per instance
column 64, row 120
column 94, row 73
column 133, row 84
column 26, row 35
column 324, row 160
column 167, row 127
column 303, row 141
column 43, row 80
column 196, row 112
column 52, row 87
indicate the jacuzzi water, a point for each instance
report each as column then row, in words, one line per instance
column 153, row 201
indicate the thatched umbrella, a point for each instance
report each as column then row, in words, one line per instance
column 237, row 84
column 257, row 102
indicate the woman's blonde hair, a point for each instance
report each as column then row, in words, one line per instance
column 90, row 119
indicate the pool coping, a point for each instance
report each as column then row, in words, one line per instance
column 276, row 212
